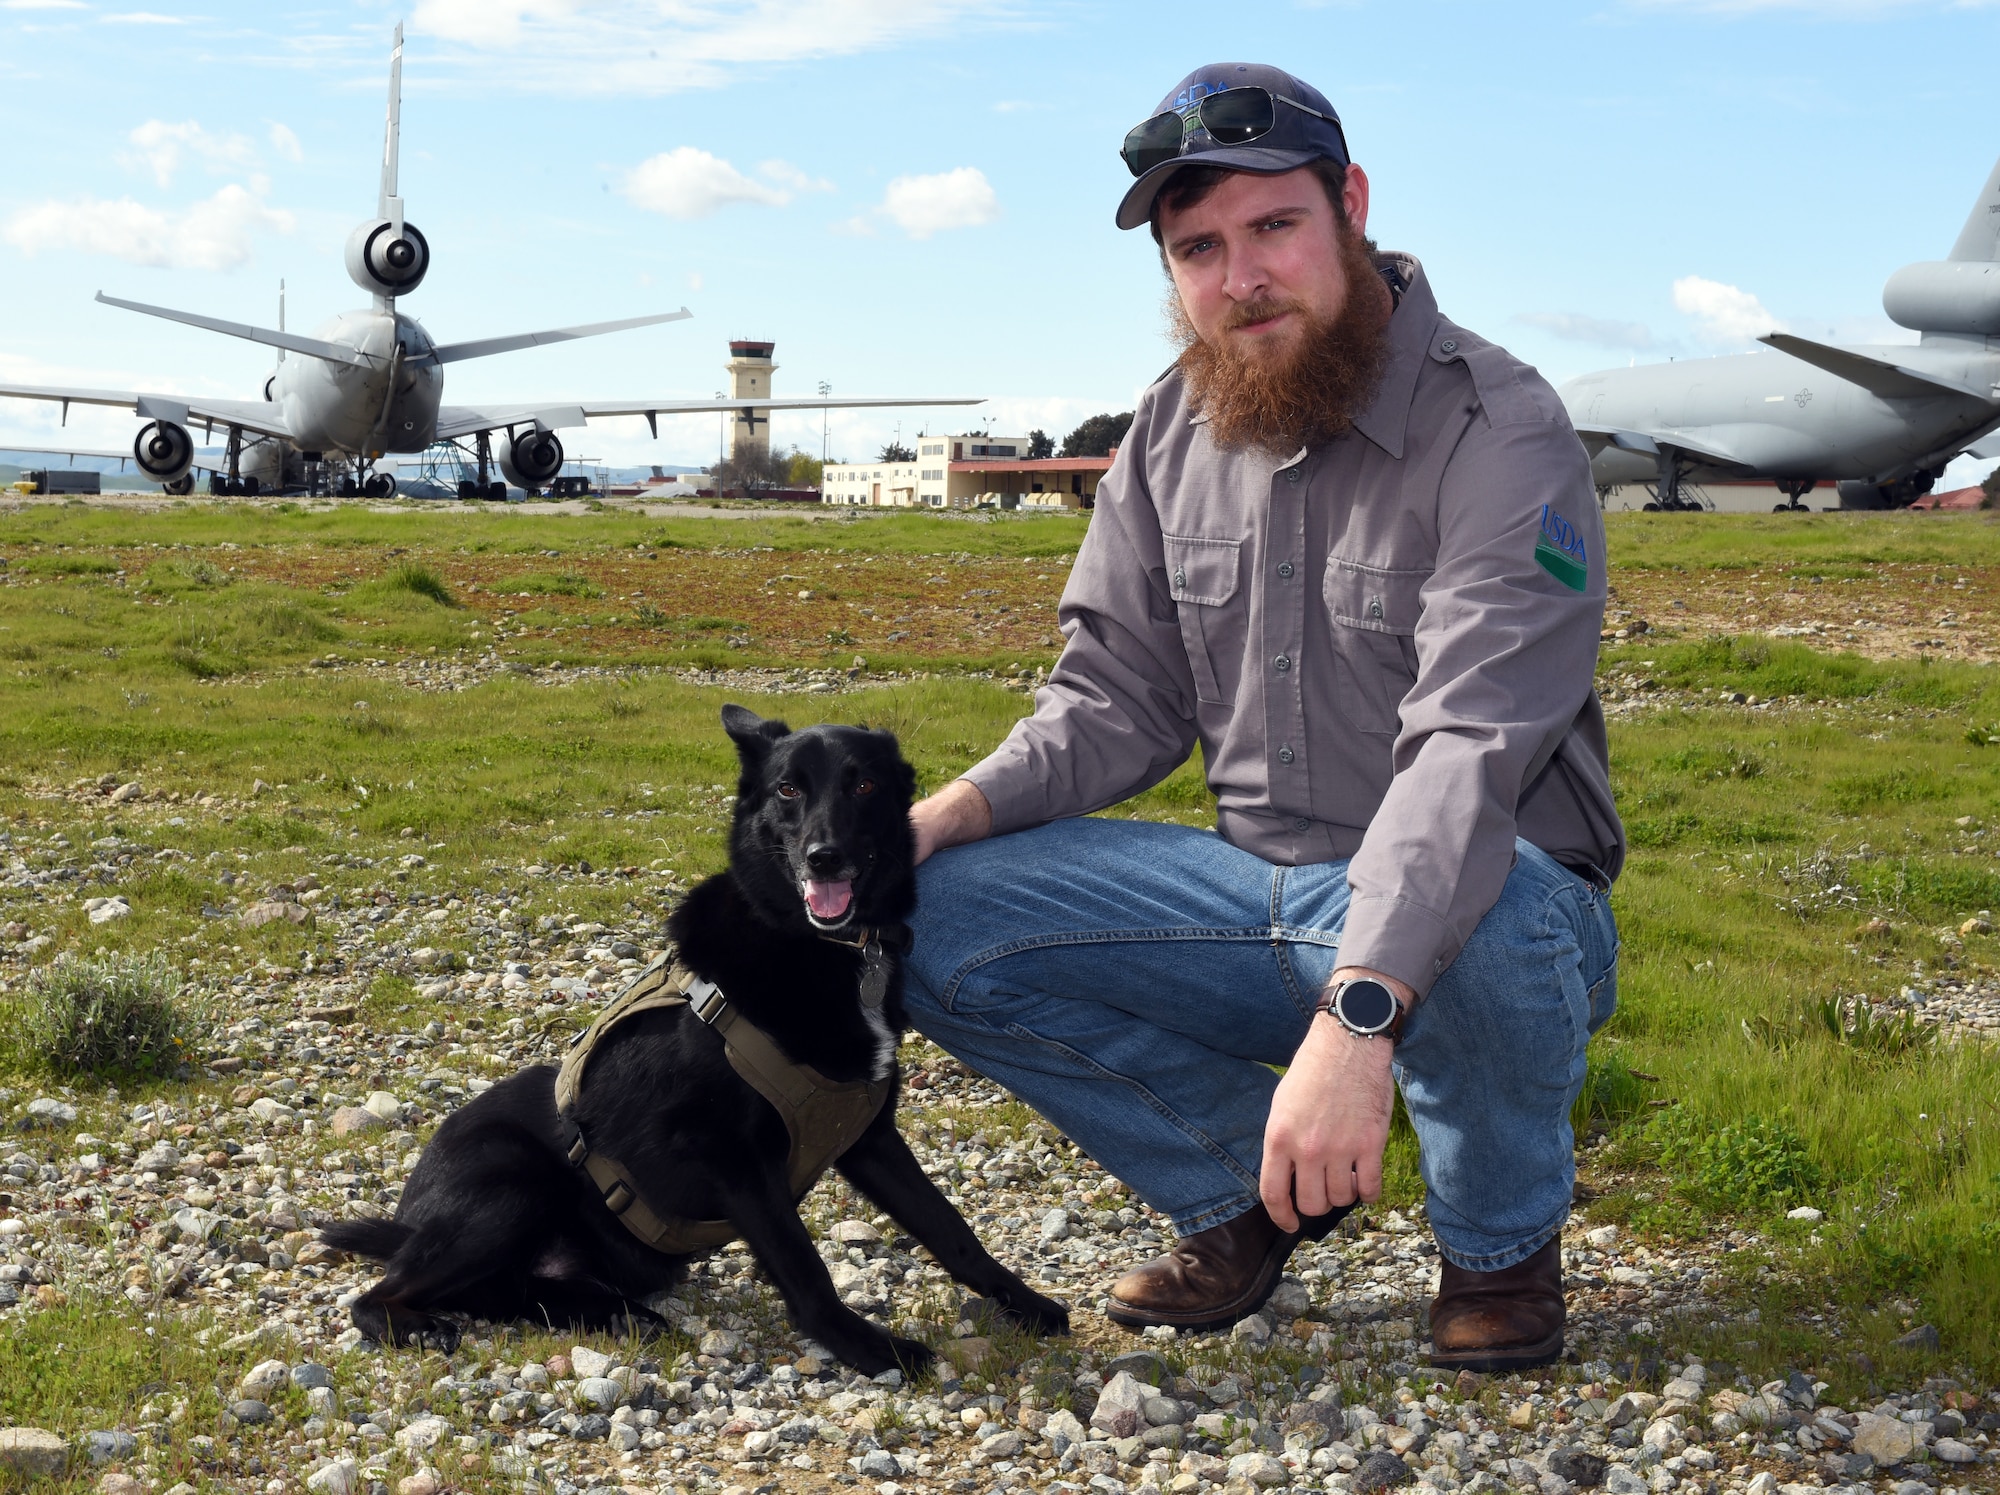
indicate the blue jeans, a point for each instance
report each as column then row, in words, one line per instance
column 1133, row 982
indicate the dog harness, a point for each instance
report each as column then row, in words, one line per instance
column 823, row 1117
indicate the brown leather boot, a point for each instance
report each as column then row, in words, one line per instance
column 1214, row 1277
column 1505, row 1320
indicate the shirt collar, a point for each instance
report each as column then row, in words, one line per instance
column 1387, row 417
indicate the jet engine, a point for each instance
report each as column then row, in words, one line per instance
column 531, row 458
column 385, row 262
column 1960, row 296
column 1858, row 493
column 164, row 451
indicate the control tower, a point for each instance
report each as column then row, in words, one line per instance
column 750, row 369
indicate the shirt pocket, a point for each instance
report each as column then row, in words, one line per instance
column 1374, row 612
column 1203, row 577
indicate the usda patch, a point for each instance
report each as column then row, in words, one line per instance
column 1559, row 551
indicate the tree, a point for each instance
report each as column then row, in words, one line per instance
column 1989, row 488
column 1039, row 445
column 1096, row 436
column 896, row 453
column 749, row 469
column 806, row 470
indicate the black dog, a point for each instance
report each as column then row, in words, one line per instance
column 497, row 1223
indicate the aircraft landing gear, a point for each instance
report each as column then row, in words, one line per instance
column 1794, row 489
column 1667, row 491
column 181, row 486
column 381, row 485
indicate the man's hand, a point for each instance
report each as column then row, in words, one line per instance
column 1330, row 1118
column 956, row 814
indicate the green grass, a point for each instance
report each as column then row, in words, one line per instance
column 1764, row 843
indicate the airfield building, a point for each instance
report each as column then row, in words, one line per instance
column 966, row 471
column 750, row 369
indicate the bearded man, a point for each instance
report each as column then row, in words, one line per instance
column 1352, row 551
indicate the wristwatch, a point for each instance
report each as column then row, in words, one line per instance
column 1365, row 1007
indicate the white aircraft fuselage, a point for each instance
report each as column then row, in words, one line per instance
column 341, row 407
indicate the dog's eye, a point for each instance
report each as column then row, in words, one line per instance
column 866, row 786
column 789, row 791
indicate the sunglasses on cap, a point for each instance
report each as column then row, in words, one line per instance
column 1233, row 116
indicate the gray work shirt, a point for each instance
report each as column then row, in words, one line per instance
column 1384, row 645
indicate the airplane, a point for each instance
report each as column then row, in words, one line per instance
column 1879, row 421
column 371, row 382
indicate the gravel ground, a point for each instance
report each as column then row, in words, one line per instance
column 303, row 1107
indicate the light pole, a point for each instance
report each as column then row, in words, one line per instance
column 825, row 389
column 721, row 423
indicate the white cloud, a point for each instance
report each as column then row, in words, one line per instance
column 162, row 147
column 1577, row 328
column 215, row 234
column 690, row 183
column 1724, row 313
column 923, row 205
column 1826, row 10
column 285, row 142
column 787, row 175
column 142, row 18
column 663, row 46
column 43, row 5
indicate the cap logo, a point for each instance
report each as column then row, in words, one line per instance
column 1191, row 96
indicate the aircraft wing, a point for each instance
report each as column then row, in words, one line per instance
column 1596, row 438
column 72, row 452
column 260, row 416
column 1891, row 381
column 469, row 420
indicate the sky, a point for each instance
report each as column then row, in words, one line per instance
column 915, row 197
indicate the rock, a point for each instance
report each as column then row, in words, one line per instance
column 1886, row 1440
column 268, row 911
column 598, row 1393
column 1952, row 1451
column 1603, row 1238
column 423, row 1482
column 1976, row 925
column 1142, row 1365
column 101, row 1447
column 1259, row 1469
column 856, row 1233
column 1579, row 1466
column 757, row 1445
column 340, row 1477
column 1763, row 1483
column 420, row 1434
column 349, row 1121
column 250, row 1411
column 594, row 1427
column 109, row 909
column 47, row 1111
column 1521, row 1415
column 718, row 1342
column 263, row 1379
column 1633, row 1406
column 268, row 1110
column 1002, row 1445
column 196, row 1224
column 1121, row 1407
column 1256, row 1329
column 1056, row 1225
column 1924, row 1337
column 1379, row 1471
column 386, row 1106
column 879, row 1463
column 1619, row 1480
column 558, row 1367
column 118, row 1482
column 1289, row 1300
column 1806, row 1212
column 1164, row 1412
column 587, row 1363
column 124, row 794
column 1063, row 1430
column 308, row 1375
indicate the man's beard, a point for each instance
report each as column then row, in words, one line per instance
column 1308, row 392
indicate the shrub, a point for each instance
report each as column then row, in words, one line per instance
column 408, row 576
column 1748, row 1164
column 113, row 1017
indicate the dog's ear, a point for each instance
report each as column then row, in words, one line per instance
column 752, row 734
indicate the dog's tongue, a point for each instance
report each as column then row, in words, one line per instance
column 828, row 900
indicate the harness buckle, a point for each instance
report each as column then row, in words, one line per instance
column 705, row 999
column 578, row 1150
column 619, row 1198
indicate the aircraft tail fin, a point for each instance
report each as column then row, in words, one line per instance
column 389, row 205
column 1980, row 238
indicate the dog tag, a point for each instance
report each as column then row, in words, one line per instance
column 874, row 975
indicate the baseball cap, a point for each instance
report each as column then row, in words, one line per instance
column 1297, row 135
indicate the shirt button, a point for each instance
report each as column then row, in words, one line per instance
column 1302, row 824
column 1282, row 663
column 1180, row 579
column 1449, row 345
column 1285, row 569
column 1285, row 755
column 1292, row 474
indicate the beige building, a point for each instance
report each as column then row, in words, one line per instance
column 750, row 369
column 963, row 472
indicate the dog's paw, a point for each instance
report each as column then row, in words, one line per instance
column 439, row 1334
column 1037, row 1314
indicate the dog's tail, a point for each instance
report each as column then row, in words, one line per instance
column 376, row 1239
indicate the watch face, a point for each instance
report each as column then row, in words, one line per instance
column 1367, row 1006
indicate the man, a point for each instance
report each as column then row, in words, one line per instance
column 1352, row 551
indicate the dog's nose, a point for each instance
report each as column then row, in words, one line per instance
column 823, row 857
